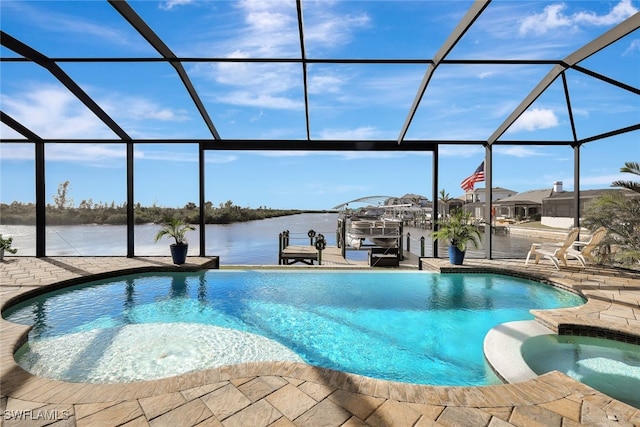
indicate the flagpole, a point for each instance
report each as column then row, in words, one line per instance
column 488, row 177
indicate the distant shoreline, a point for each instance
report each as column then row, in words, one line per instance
column 25, row 214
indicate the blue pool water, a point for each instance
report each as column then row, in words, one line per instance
column 405, row 326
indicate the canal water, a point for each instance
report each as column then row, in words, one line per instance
column 247, row 243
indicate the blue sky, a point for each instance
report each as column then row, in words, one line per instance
column 351, row 101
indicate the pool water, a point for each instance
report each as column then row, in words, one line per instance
column 609, row 366
column 414, row 326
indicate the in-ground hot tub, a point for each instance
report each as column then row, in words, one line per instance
column 611, row 367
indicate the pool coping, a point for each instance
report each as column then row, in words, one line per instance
column 503, row 349
column 548, row 391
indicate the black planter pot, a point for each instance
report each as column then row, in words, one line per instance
column 179, row 253
column 456, row 256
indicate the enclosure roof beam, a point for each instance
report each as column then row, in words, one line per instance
column 616, row 132
column 606, row 79
column 323, row 145
column 616, row 33
column 141, row 26
column 465, row 23
column 19, row 127
column 20, row 48
column 303, row 55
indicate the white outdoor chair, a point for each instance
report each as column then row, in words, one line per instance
column 585, row 250
column 555, row 252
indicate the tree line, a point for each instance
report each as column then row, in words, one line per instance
column 64, row 212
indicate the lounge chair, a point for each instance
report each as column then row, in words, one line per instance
column 554, row 252
column 585, row 252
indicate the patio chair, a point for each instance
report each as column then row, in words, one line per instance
column 585, row 250
column 555, row 252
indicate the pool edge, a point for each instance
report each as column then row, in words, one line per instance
column 502, row 349
column 542, row 390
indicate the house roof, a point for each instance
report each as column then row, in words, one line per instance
column 588, row 194
column 495, row 189
column 526, row 197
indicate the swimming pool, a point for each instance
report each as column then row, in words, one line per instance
column 612, row 367
column 404, row 326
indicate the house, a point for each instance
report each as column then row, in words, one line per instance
column 554, row 206
column 478, row 195
column 558, row 209
column 474, row 200
column 527, row 204
column 414, row 199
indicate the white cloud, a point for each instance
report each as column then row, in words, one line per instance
column 106, row 155
column 618, row 13
column 170, row 4
column 273, row 86
column 52, row 112
column 602, row 180
column 182, row 156
column 270, row 31
column 554, row 17
column 551, row 18
column 138, row 108
column 84, row 29
column 167, row 155
column 325, row 83
column 248, row 99
column 17, row 151
column 326, row 29
column 519, row 151
column 590, row 181
column 98, row 155
column 634, row 46
column 486, row 74
column 537, row 118
column 8, row 133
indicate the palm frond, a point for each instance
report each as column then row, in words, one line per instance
column 631, row 167
column 631, row 185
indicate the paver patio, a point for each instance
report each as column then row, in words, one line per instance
column 285, row 393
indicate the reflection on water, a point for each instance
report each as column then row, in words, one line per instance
column 248, row 243
column 399, row 326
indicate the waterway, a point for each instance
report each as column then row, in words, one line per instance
column 246, row 243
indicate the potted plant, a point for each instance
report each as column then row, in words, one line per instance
column 5, row 245
column 459, row 231
column 176, row 228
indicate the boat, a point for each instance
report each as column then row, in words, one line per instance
column 383, row 232
column 370, row 225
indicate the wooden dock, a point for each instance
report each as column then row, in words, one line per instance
column 332, row 257
column 308, row 255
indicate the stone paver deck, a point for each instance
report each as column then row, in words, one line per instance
column 285, row 393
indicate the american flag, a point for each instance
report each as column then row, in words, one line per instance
column 468, row 183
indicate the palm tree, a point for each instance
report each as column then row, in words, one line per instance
column 176, row 228
column 621, row 216
column 629, row 167
column 445, row 199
